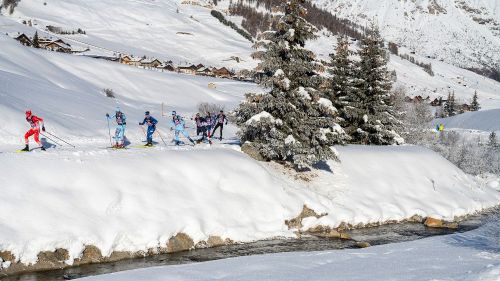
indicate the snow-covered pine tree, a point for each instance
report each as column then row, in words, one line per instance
column 341, row 91
column 492, row 140
column 373, row 96
column 292, row 122
column 36, row 43
column 474, row 106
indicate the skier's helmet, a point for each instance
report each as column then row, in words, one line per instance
column 28, row 113
column 118, row 109
column 146, row 113
column 174, row 113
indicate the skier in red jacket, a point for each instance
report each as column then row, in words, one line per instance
column 35, row 122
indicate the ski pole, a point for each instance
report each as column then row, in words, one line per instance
column 143, row 131
column 60, row 139
column 109, row 133
column 158, row 132
column 50, row 139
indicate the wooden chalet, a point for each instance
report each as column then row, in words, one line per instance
column 187, row 69
column 464, row 108
column 125, row 59
column 135, row 61
column 150, row 63
column 222, row 72
column 25, row 40
column 204, row 71
column 167, row 67
column 58, row 47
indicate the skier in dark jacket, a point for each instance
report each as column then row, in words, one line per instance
column 151, row 122
column 220, row 121
column 199, row 128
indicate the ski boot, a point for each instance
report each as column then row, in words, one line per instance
column 26, row 148
column 149, row 144
column 42, row 148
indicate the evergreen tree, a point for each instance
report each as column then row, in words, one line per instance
column 292, row 122
column 450, row 108
column 452, row 105
column 341, row 69
column 492, row 140
column 373, row 96
column 474, row 106
column 36, row 42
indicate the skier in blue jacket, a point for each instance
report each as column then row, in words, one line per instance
column 121, row 124
column 151, row 122
column 179, row 126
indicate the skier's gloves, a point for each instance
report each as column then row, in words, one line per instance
column 43, row 128
column 107, row 115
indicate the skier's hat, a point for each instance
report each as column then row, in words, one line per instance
column 28, row 112
column 174, row 113
column 146, row 113
column 118, row 109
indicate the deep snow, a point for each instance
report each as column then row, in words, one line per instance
column 137, row 199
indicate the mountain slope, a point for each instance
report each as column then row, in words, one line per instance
column 465, row 33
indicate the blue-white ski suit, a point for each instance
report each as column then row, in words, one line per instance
column 179, row 126
column 121, row 124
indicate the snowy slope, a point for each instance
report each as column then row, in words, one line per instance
column 472, row 256
column 486, row 120
column 67, row 90
column 444, row 29
column 447, row 78
column 151, row 29
column 140, row 28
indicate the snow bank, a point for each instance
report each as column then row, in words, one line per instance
column 376, row 184
column 137, row 199
column 132, row 201
column 455, row 257
column 483, row 120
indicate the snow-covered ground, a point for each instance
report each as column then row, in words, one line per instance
column 136, row 199
column 165, row 29
column 447, row 30
column 471, row 256
column 152, row 31
column 484, row 120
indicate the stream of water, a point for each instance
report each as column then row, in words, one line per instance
column 375, row 236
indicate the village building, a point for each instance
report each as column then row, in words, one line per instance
column 204, row 71
column 25, row 40
column 135, row 61
column 464, row 108
column 58, row 47
column 150, row 63
column 222, row 72
column 43, row 42
column 167, row 67
column 187, row 69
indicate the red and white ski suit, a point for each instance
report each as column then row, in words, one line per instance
column 35, row 129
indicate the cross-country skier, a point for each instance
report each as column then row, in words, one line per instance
column 178, row 125
column 206, row 125
column 210, row 123
column 34, row 131
column 121, row 124
column 220, row 121
column 199, row 126
column 151, row 122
